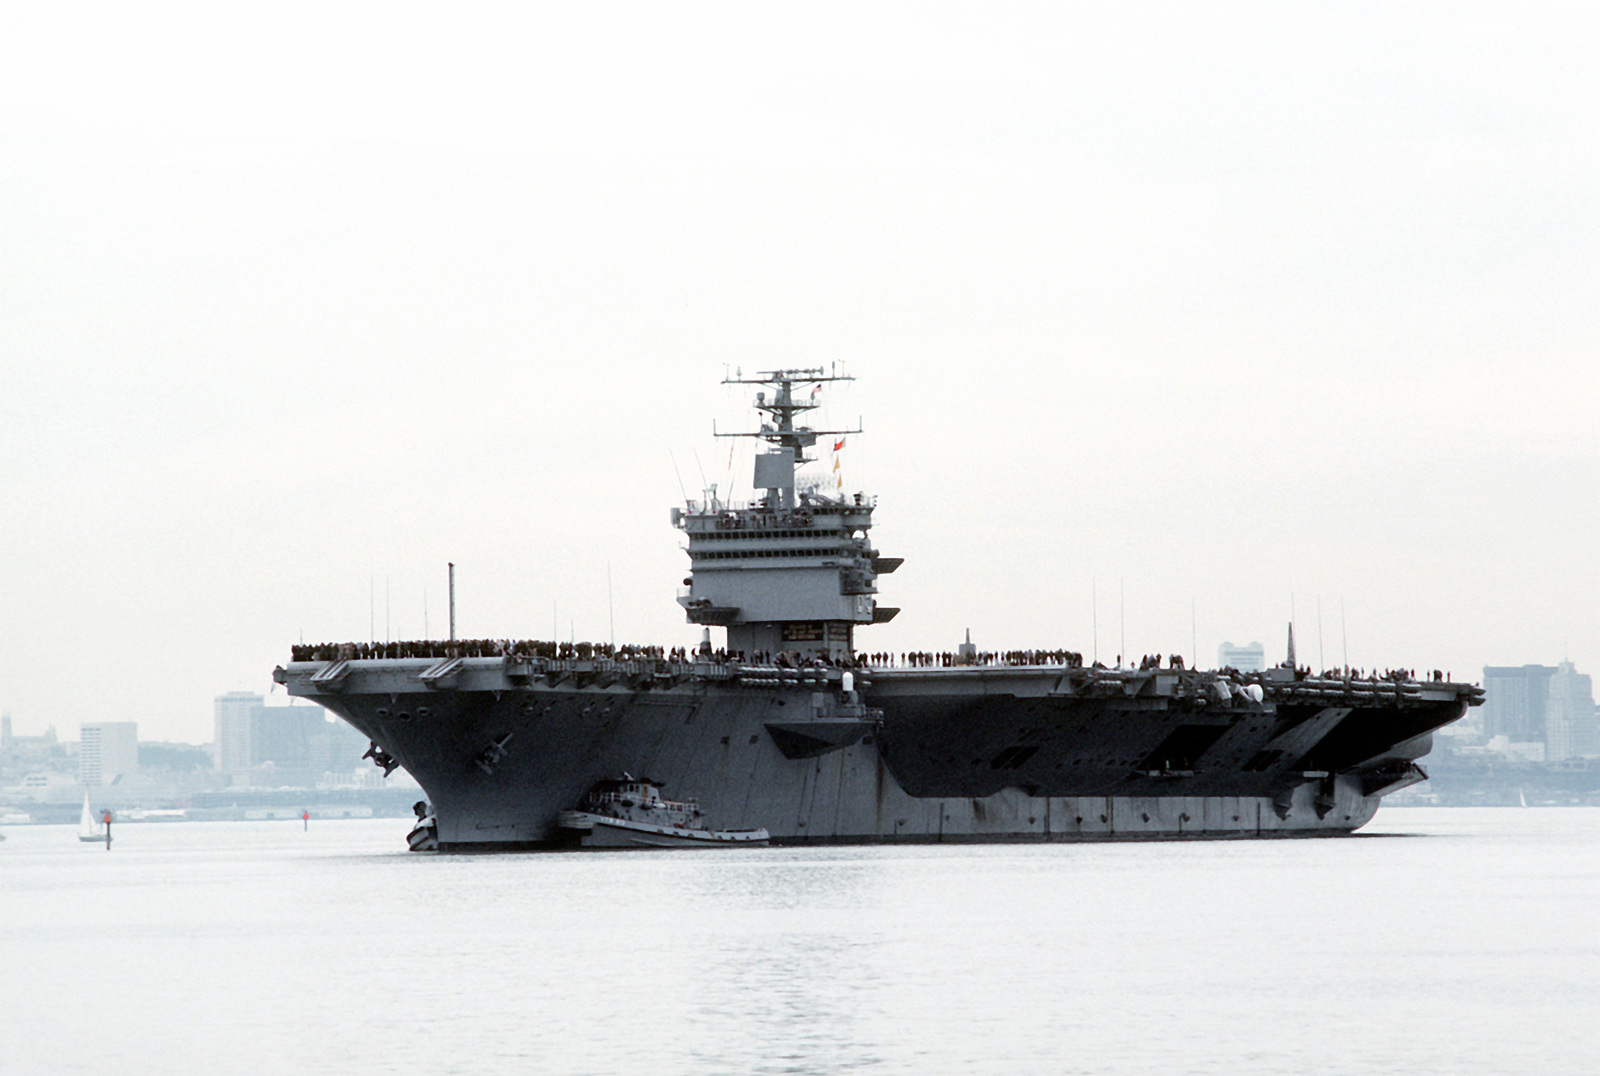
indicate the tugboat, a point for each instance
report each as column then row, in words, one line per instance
column 424, row 836
column 631, row 813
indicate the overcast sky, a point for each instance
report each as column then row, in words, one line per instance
column 1224, row 309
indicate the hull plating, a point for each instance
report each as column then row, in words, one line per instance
column 949, row 758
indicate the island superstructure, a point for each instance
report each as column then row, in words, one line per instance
column 794, row 572
column 787, row 727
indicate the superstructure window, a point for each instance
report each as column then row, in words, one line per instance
column 757, row 532
column 744, row 554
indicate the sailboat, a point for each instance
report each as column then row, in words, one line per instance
column 88, row 828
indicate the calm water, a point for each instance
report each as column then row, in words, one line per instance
column 1444, row 941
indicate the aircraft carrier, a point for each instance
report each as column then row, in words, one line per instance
column 787, row 726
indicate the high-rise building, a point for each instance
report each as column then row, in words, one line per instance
column 1571, row 730
column 1514, row 702
column 20, row 752
column 282, row 735
column 235, row 718
column 299, row 741
column 107, row 751
column 1249, row 658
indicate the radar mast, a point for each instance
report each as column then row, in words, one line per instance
column 774, row 471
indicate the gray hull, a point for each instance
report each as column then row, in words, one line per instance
column 916, row 755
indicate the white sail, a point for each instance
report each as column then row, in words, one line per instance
column 88, row 828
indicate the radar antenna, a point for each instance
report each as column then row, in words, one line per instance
column 775, row 470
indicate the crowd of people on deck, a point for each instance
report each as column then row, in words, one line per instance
column 790, row 659
column 568, row 651
column 586, row 651
column 1345, row 672
column 478, row 648
column 922, row 659
column 1153, row 661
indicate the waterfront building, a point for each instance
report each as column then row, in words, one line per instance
column 107, row 752
column 25, row 751
column 235, row 712
column 1571, row 730
column 283, row 745
column 1515, row 697
column 1251, row 657
column 301, row 743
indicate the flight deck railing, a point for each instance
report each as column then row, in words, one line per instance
column 427, row 664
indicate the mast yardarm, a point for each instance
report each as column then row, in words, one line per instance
column 775, row 470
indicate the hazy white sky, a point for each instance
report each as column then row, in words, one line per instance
column 1232, row 306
